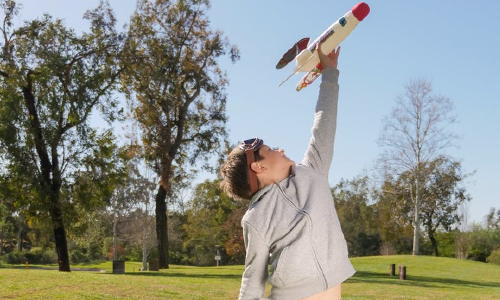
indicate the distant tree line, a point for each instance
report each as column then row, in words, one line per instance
column 374, row 222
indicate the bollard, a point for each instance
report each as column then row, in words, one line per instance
column 402, row 272
column 393, row 270
column 154, row 265
column 118, row 267
column 27, row 265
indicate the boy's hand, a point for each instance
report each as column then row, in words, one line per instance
column 330, row 60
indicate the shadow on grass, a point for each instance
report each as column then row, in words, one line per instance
column 53, row 268
column 180, row 275
column 423, row 281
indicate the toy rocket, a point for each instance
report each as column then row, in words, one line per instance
column 305, row 55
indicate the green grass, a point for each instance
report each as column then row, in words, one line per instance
column 435, row 278
column 427, row 278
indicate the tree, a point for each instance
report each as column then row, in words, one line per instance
column 52, row 79
column 392, row 212
column 235, row 244
column 207, row 213
column 4, row 226
column 413, row 135
column 177, row 91
column 493, row 219
column 461, row 232
column 134, row 199
column 482, row 242
column 442, row 194
column 356, row 214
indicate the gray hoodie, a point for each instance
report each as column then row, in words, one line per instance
column 293, row 225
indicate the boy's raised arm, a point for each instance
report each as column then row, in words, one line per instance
column 320, row 151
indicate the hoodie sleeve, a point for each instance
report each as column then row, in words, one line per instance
column 254, row 278
column 320, row 151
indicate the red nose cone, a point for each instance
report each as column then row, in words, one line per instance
column 360, row 11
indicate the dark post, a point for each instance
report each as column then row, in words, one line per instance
column 402, row 272
column 393, row 270
column 154, row 265
column 118, row 267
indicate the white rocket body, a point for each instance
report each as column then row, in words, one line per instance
column 331, row 38
column 307, row 60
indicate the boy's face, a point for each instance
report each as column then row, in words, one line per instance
column 276, row 162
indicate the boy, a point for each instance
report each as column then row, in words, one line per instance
column 291, row 222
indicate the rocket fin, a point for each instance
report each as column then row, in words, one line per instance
column 309, row 77
column 292, row 52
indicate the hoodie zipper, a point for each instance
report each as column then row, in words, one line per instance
column 309, row 219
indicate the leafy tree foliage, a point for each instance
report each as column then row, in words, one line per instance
column 493, row 219
column 178, row 92
column 207, row 213
column 52, row 79
column 357, row 216
column 442, row 191
column 482, row 242
column 235, row 245
column 392, row 213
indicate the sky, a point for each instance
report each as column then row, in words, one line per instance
column 452, row 43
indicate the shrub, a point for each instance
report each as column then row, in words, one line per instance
column 494, row 257
column 34, row 256
column 15, row 257
column 175, row 257
column 77, row 256
column 132, row 254
column 49, row 257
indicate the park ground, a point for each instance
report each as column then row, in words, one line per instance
column 433, row 278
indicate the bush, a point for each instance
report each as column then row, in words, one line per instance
column 175, row 257
column 132, row 254
column 494, row 257
column 482, row 242
column 15, row 257
column 77, row 256
column 34, row 256
column 49, row 257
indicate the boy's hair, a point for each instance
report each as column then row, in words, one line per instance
column 234, row 173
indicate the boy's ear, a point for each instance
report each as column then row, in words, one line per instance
column 257, row 168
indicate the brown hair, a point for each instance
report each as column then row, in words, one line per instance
column 234, row 173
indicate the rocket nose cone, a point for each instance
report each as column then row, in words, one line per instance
column 360, row 11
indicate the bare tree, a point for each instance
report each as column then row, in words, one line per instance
column 415, row 133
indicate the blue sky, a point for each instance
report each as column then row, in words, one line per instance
column 454, row 44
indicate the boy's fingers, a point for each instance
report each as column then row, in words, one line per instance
column 318, row 48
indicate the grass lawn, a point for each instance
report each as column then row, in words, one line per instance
column 427, row 278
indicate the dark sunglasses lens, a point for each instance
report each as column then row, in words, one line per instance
column 249, row 142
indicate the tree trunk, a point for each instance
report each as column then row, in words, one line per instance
column 115, row 246
column 20, row 233
column 59, row 233
column 145, row 248
column 50, row 176
column 416, row 229
column 89, row 242
column 161, row 227
column 1, row 241
column 433, row 242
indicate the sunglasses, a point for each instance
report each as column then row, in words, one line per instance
column 250, row 146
